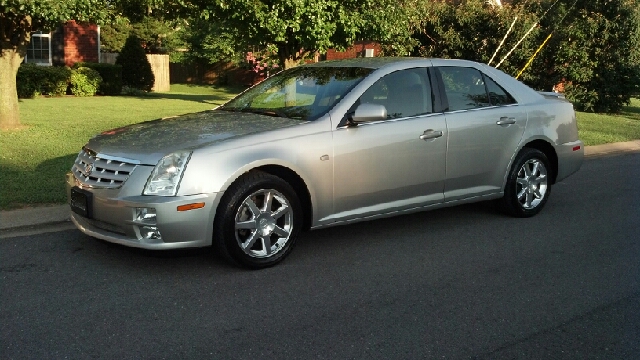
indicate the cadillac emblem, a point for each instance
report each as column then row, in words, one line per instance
column 87, row 170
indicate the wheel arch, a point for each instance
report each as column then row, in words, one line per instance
column 297, row 183
column 299, row 186
column 549, row 151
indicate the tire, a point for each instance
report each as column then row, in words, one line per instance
column 528, row 184
column 257, row 221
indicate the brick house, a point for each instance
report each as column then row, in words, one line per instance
column 359, row 49
column 70, row 43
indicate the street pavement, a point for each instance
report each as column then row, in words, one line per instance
column 456, row 283
column 32, row 220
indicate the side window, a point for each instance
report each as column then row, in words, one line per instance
column 464, row 87
column 404, row 93
column 497, row 94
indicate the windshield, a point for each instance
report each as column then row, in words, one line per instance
column 304, row 93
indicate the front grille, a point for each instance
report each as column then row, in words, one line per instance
column 101, row 171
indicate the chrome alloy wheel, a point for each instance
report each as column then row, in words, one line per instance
column 263, row 223
column 531, row 183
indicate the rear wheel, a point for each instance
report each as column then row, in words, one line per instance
column 528, row 186
column 258, row 220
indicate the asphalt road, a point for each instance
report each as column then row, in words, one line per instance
column 458, row 283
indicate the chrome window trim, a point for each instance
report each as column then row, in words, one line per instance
column 390, row 120
column 481, row 108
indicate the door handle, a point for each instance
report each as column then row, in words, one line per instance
column 506, row 121
column 430, row 134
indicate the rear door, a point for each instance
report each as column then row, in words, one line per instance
column 485, row 125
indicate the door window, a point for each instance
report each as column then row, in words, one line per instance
column 464, row 87
column 497, row 94
column 403, row 93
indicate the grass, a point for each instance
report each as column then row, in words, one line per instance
column 34, row 160
column 596, row 129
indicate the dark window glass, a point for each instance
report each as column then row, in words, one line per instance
column 403, row 93
column 464, row 87
column 497, row 94
column 38, row 49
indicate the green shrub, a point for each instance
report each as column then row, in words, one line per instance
column 136, row 70
column 27, row 81
column 111, row 77
column 33, row 80
column 85, row 81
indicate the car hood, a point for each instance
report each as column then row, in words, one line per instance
column 149, row 141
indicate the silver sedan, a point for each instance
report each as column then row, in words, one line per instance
column 321, row 145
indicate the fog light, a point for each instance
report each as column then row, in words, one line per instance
column 146, row 219
column 150, row 233
column 146, row 215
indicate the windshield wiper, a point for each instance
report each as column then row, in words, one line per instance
column 265, row 112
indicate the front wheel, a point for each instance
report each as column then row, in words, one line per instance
column 528, row 185
column 258, row 220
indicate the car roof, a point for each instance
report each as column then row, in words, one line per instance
column 380, row 62
column 371, row 63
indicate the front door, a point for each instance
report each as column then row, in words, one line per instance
column 391, row 165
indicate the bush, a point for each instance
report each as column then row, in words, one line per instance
column 28, row 81
column 33, row 80
column 111, row 77
column 85, row 81
column 136, row 70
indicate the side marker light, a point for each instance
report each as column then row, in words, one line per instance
column 190, row 206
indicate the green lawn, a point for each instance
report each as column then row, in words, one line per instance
column 596, row 129
column 33, row 160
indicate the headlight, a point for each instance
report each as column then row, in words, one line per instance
column 165, row 177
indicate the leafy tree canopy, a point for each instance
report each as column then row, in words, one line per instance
column 299, row 28
column 594, row 50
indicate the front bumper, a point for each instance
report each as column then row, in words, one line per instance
column 114, row 215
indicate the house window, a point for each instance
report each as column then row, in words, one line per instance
column 39, row 49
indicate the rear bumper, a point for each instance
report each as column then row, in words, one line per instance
column 570, row 158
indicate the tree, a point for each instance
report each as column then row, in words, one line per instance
column 594, row 49
column 299, row 28
column 136, row 70
column 598, row 54
column 206, row 42
column 156, row 35
column 18, row 19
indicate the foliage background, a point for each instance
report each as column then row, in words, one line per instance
column 594, row 52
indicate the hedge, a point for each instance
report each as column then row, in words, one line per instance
column 33, row 80
column 111, row 77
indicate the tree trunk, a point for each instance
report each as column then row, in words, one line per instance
column 15, row 34
column 10, row 61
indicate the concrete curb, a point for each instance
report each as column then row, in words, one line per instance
column 15, row 220
column 612, row 149
column 34, row 216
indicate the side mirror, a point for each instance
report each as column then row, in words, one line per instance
column 369, row 112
